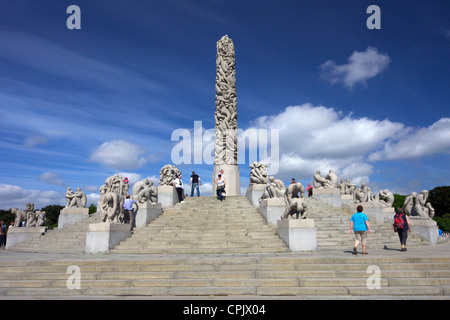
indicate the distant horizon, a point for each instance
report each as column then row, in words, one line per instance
column 80, row 105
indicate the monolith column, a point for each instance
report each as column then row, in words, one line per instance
column 225, row 145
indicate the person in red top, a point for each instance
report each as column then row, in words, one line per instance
column 309, row 189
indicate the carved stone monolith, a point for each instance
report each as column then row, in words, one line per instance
column 225, row 144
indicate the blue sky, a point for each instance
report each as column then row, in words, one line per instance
column 77, row 106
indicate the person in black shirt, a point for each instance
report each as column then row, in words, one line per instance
column 195, row 183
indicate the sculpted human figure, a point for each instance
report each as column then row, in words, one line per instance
column 69, row 196
column 295, row 205
column 41, row 218
column 349, row 187
column 31, row 219
column 115, row 184
column 110, row 207
column 258, row 173
column 421, row 208
column 144, row 191
column 331, row 180
column 20, row 216
column 319, row 182
column 342, row 186
column 294, row 189
column 78, row 199
column 408, row 204
column 168, row 174
column 274, row 189
column 385, row 197
column 363, row 194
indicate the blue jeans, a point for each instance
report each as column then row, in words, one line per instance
column 219, row 192
column 195, row 186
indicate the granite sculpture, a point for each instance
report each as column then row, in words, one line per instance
column 225, row 115
column 258, row 173
column 168, row 174
column 416, row 206
column 275, row 188
column 330, row 181
column 29, row 216
column 112, row 197
column 144, row 191
column 385, row 197
column 75, row 200
column 295, row 204
column 363, row 194
column 225, row 147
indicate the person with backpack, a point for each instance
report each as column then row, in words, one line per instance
column 359, row 223
column 402, row 226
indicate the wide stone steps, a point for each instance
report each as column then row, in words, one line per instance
column 71, row 239
column 237, row 276
column 205, row 225
column 332, row 225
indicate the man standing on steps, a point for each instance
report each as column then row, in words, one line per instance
column 195, row 183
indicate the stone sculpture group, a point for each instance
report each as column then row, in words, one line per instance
column 31, row 217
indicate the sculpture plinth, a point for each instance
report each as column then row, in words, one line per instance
column 225, row 143
column 104, row 236
column 298, row 234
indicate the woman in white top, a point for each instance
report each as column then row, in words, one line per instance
column 178, row 185
column 220, row 182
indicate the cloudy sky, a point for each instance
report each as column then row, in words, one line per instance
column 79, row 105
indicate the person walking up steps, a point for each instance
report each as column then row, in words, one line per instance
column 359, row 224
column 402, row 226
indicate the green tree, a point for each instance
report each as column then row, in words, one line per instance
column 92, row 209
column 398, row 201
column 7, row 216
column 439, row 198
column 52, row 212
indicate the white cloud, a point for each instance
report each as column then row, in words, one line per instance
column 51, row 178
column 421, row 142
column 318, row 138
column 361, row 66
column 120, row 154
column 12, row 196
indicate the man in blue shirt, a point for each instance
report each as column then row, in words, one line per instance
column 128, row 210
column 359, row 223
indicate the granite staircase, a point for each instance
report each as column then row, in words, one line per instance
column 260, row 276
column 332, row 227
column 203, row 226
column 70, row 239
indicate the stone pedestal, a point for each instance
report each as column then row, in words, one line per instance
column 104, row 236
column 298, row 234
column 17, row 235
column 346, row 199
column 331, row 196
column 272, row 209
column 254, row 192
column 375, row 211
column 232, row 179
column 426, row 228
column 146, row 212
column 68, row 216
column 167, row 196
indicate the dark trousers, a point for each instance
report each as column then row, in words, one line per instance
column 180, row 194
column 403, row 235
